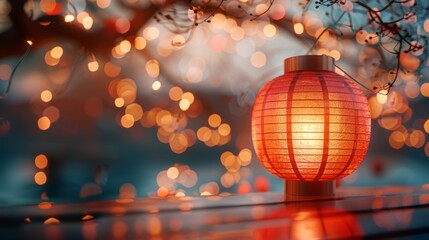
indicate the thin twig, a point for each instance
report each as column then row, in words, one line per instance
column 12, row 75
column 352, row 78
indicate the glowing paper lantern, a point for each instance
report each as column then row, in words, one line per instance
column 311, row 126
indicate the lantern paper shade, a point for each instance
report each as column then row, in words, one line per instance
column 311, row 124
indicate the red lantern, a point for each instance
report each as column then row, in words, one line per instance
column 311, row 126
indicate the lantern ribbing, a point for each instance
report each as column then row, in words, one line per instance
column 311, row 125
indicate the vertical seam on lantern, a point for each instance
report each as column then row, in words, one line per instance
column 355, row 131
column 264, row 146
column 289, row 126
column 325, row 126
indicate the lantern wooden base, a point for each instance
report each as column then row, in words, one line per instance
column 303, row 188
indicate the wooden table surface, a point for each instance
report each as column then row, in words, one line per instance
column 389, row 212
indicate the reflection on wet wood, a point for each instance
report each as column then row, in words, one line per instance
column 352, row 213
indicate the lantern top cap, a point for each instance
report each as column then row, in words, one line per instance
column 309, row 63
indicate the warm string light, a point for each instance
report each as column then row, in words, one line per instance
column 235, row 166
column 46, row 96
column 41, row 162
column 69, row 18
column 93, row 64
column 217, row 134
column 156, row 85
column 178, row 175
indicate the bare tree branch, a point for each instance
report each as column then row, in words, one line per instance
column 98, row 41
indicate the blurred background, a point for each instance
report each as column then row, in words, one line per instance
column 163, row 107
